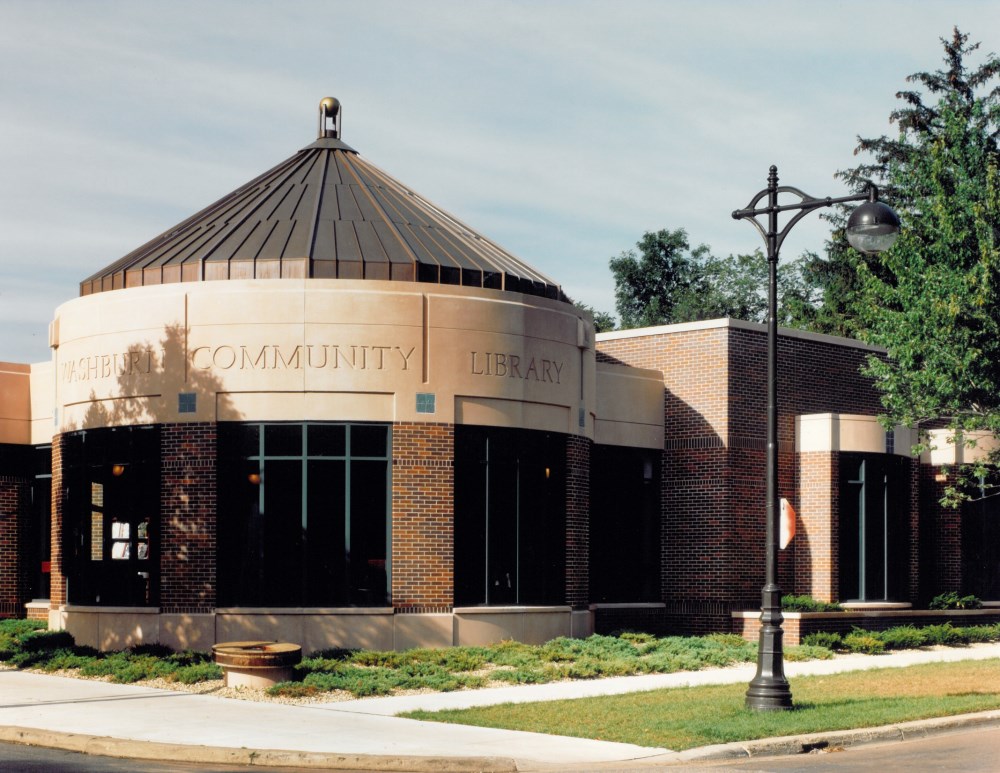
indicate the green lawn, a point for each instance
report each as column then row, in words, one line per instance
column 684, row 718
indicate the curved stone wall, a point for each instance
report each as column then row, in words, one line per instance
column 322, row 349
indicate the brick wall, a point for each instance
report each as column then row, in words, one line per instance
column 15, row 499
column 188, row 517
column 423, row 518
column 714, row 463
column 941, row 530
column 916, row 538
column 577, row 521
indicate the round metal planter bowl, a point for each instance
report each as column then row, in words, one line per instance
column 256, row 663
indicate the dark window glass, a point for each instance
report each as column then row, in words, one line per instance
column 283, row 439
column 307, row 529
column 874, row 527
column 510, row 516
column 327, row 547
column 328, row 439
column 624, row 524
column 111, row 481
column 980, row 548
column 368, row 440
column 369, row 582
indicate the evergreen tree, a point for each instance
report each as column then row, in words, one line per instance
column 933, row 300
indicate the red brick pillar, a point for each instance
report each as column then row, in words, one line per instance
column 14, row 510
column 423, row 517
column 941, row 535
column 188, row 517
column 915, row 535
column 57, row 579
column 577, row 521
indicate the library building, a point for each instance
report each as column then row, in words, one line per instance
column 323, row 410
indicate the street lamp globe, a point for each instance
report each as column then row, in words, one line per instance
column 872, row 227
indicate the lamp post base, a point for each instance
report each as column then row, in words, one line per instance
column 769, row 690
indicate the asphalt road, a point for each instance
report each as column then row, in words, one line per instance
column 965, row 751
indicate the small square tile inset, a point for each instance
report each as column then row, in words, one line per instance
column 187, row 402
column 425, row 402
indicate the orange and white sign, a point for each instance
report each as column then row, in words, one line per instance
column 786, row 523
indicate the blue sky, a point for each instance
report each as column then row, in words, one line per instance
column 561, row 130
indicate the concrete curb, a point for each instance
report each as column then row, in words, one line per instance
column 150, row 750
column 801, row 744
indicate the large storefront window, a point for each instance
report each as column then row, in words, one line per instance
column 510, row 516
column 40, row 529
column 981, row 548
column 874, row 527
column 304, row 515
column 112, row 507
column 624, row 524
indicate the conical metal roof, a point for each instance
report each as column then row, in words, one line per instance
column 326, row 213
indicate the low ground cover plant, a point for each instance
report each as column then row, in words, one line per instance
column 904, row 637
column 26, row 644
column 367, row 672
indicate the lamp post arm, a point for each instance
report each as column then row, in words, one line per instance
column 806, row 205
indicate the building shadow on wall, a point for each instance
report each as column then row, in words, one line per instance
column 154, row 384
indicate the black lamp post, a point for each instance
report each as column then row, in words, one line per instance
column 872, row 227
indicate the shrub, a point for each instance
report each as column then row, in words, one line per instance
column 46, row 641
column 512, row 653
column 864, row 642
column 952, row 600
column 807, row 652
column 831, row 640
column 525, row 675
column 450, row 658
column 944, row 634
column 293, row 690
column 198, row 672
column 903, row 637
column 979, row 633
column 791, row 603
column 377, row 658
column 635, row 637
column 17, row 628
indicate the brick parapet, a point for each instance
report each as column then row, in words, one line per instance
column 423, row 516
column 188, row 537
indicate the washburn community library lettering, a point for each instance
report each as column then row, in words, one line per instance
column 334, row 356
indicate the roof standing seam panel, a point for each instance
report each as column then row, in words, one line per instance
column 324, row 212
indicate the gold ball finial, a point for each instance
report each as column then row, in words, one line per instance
column 332, row 105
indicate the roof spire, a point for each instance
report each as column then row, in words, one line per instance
column 329, row 111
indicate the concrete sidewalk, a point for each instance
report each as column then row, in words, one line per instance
column 141, row 722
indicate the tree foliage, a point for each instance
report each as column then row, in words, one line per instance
column 933, row 300
column 664, row 281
